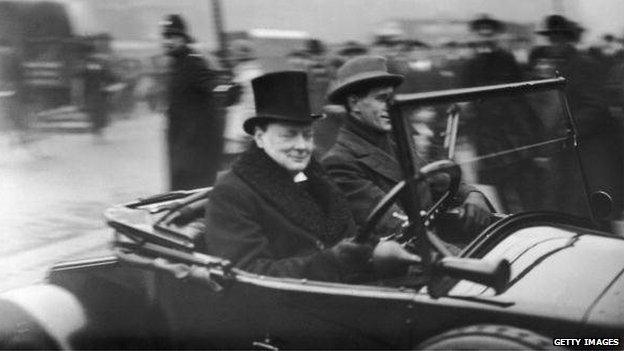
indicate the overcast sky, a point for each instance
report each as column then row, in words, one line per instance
column 357, row 18
column 340, row 20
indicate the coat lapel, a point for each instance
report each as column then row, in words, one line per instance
column 373, row 157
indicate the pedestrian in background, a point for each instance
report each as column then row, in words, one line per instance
column 246, row 67
column 502, row 123
column 12, row 93
column 194, row 134
column 98, row 78
column 599, row 133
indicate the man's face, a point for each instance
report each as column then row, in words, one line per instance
column 290, row 145
column 172, row 43
column 372, row 109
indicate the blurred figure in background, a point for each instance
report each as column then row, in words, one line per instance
column 315, row 62
column 12, row 94
column 610, row 53
column 349, row 50
column 98, row 87
column 246, row 67
column 599, row 133
column 194, row 134
column 504, row 123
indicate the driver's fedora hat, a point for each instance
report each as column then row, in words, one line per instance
column 281, row 96
column 361, row 71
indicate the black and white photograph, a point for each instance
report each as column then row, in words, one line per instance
column 312, row 174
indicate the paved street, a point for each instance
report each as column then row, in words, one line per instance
column 53, row 194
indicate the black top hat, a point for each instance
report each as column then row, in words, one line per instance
column 557, row 24
column 175, row 25
column 486, row 21
column 281, row 96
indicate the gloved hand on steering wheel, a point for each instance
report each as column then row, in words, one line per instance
column 477, row 213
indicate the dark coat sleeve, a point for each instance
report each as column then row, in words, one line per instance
column 234, row 232
column 204, row 79
column 362, row 193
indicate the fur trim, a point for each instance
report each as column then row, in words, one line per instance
column 322, row 210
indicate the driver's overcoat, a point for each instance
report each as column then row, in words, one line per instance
column 363, row 164
column 265, row 223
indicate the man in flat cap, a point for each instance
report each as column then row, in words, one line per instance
column 363, row 162
column 194, row 133
column 276, row 212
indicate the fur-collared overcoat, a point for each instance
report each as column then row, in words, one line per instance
column 265, row 223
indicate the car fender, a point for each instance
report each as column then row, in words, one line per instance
column 39, row 316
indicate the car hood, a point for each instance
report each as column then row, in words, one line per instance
column 560, row 273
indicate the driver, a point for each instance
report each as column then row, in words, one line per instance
column 276, row 212
column 363, row 162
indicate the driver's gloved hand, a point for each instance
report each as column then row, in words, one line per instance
column 353, row 257
column 477, row 214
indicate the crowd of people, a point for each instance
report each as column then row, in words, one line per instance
column 309, row 149
column 523, row 181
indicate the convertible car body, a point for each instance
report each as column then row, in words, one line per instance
column 527, row 279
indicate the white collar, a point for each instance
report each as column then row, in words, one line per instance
column 300, row 177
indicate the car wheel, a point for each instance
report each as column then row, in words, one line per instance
column 487, row 337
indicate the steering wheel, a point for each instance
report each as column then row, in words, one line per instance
column 426, row 174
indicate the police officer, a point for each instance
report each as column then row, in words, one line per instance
column 194, row 134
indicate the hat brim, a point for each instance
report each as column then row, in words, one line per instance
column 496, row 25
column 250, row 123
column 554, row 31
column 337, row 94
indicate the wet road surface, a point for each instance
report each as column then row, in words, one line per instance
column 54, row 191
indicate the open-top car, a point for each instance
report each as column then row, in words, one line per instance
column 525, row 280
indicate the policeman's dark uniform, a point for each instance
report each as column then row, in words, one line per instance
column 194, row 135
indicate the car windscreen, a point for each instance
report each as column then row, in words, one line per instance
column 516, row 148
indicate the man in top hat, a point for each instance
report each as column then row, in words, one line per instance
column 363, row 161
column 276, row 212
column 503, row 123
column 600, row 142
column 194, row 134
